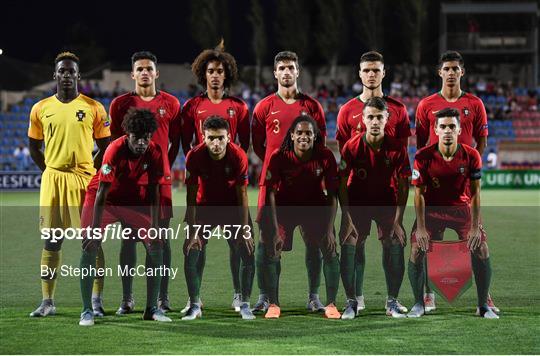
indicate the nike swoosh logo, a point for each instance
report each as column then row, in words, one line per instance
column 355, row 116
column 47, row 116
column 434, row 112
column 201, row 111
column 274, row 112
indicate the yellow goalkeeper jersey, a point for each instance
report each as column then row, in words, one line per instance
column 69, row 130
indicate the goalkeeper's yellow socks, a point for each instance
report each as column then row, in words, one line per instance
column 52, row 260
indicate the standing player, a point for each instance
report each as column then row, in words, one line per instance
column 447, row 195
column 128, row 191
column 272, row 117
column 68, row 122
column 349, row 120
column 216, row 180
column 166, row 109
column 473, row 118
column 216, row 71
column 369, row 165
column 294, row 188
column 350, row 123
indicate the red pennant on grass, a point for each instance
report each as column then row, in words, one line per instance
column 449, row 268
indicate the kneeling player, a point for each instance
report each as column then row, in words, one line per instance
column 368, row 193
column 216, row 180
column 128, row 193
column 295, row 197
column 442, row 173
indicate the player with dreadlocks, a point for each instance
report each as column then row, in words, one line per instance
column 216, row 72
column 294, row 185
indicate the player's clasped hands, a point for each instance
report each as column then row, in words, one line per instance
column 422, row 238
column 330, row 242
column 474, row 239
column 400, row 233
column 247, row 241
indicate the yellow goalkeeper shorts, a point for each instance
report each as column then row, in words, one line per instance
column 61, row 198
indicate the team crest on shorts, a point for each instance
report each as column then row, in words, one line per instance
column 361, row 173
column 106, row 169
column 80, row 115
column 231, row 112
column 162, row 111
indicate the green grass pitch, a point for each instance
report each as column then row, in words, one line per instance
column 511, row 218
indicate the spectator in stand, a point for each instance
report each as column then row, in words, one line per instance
column 357, row 87
column 491, row 161
column 87, row 89
column 117, row 90
column 22, row 155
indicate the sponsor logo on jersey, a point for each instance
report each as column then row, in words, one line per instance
column 201, row 111
column 355, row 116
column 415, row 174
column 80, row 115
column 106, row 169
column 274, row 112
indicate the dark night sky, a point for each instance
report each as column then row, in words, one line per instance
column 35, row 31
column 36, row 35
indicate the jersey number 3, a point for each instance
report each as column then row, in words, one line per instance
column 276, row 126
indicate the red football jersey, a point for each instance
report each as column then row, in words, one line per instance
column 199, row 108
column 373, row 172
column 129, row 174
column 217, row 180
column 447, row 182
column 300, row 183
column 272, row 118
column 350, row 123
column 167, row 111
column 473, row 118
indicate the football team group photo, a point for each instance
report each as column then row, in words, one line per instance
column 271, row 177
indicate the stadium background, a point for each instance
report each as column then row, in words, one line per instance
column 499, row 42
